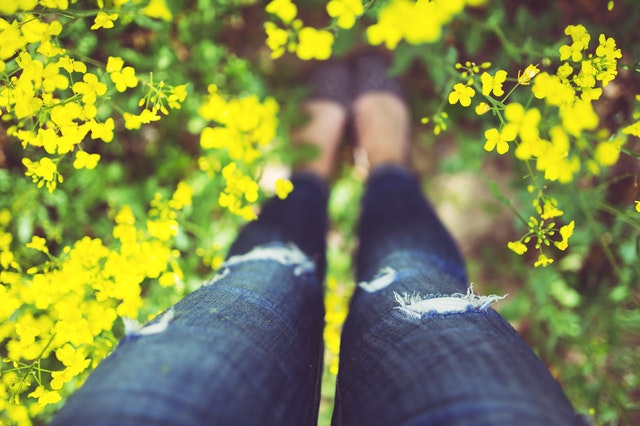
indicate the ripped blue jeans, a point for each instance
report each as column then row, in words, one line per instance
column 418, row 347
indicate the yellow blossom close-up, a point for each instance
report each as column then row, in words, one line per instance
column 461, row 93
column 314, row 44
column 493, row 84
column 345, row 11
column 286, row 10
column 104, row 20
column 283, row 188
column 498, row 140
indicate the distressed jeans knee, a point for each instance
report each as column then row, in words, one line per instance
column 245, row 348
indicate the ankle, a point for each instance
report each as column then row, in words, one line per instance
column 323, row 130
column 382, row 122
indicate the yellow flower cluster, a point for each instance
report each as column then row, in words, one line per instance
column 243, row 129
column 239, row 189
column 556, row 146
column 419, row 21
column 543, row 234
column 50, row 98
column 416, row 21
column 336, row 303
column 440, row 122
column 306, row 42
column 345, row 12
column 58, row 317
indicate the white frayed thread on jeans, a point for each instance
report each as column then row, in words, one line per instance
column 416, row 306
column 286, row 255
column 133, row 328
column 383, row 278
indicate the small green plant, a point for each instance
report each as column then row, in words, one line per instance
column 138, row 136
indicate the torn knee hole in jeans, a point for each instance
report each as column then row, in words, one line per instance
column 286, row 255
column 133, row 328
column 385, row 277
column 416, row 306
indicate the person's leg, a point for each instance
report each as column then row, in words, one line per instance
column 246, row 348
column 418, row 347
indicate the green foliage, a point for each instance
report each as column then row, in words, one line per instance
column 580, row 313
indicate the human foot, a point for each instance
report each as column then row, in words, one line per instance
column 324, row 131
column 328, row 111
column 381, row 115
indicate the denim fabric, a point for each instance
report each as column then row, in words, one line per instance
column 244, row 350
column 426, row 368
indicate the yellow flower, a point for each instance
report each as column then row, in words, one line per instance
column 550, row 209
column 482, row 108
column 36, row 31
column 607, row 48
column 578, row 117
column 74, row 359
column 522, row 122
column 11, row 39
column 125, row 216
column 277, row 39
column 552, row 89
column 283, row 9
column 38, row 243
column 314, row 44
column 632, row 129
column 517, row 247
column 461, row 93
column 102, row 131
column 45, row 397
column 49, row 49
column 607, row 153
column 114, row 63
column 132, row 121
column 158, row 9
column 104, row 20
column 90, row 88
column 54, row 4
column 124, row 79
column 84, row 160
column 283, row 188
column 177, row 95
column 565, row 232
column 414, row 21
column 543, row 260
column 637, row 206
column 498, row 140
column 580, row 37
column 162, row 229
column 43, row 172
column 238, row 187
column 493, row 84
column 182, row 196
column 59, row 378
column 528, row 74
column 71, row 65
column 345, row 11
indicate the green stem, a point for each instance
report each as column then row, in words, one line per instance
column 587, row 210
column 618, row 214
column 510, row 48
column 31, row 368
column 513, row 89
column 630, row 152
